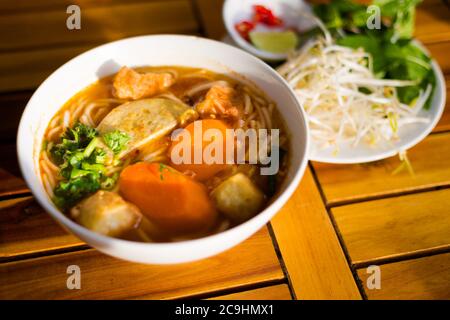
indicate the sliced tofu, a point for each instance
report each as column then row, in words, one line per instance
column 143, row 120
column 238, row 198
column 107, row 213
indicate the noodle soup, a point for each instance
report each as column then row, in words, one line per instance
column 109, row 156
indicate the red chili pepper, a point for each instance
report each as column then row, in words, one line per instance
column 266, row 16
column 244, row 28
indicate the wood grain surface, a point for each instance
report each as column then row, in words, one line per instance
column 310, row 248
column 277, row 292
column 254, row 261
column 444, row 122
column 424, row 278
column 26, row 30
column 394, row 227
column 26, row 229
column 430, row 160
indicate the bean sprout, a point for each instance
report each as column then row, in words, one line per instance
column 343, row 99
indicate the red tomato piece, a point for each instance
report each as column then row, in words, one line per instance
column 266, row 16
column 244, row 28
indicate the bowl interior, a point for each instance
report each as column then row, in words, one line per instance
column 158, row 51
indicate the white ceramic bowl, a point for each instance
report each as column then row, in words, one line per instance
column 158, row 50
column 235, row 11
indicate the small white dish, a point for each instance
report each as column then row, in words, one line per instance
column 159, row 50
column 409, row 135
column 235, row 11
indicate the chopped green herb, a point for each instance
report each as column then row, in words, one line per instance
column 116, row 140
column 81, row 162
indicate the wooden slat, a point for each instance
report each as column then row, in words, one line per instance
column 27, row 229
column 6, row 6
column 102, row 277
column 310, row 248
column 8, row 159
column 11, row 108
column 10, row 185
column 444, row 122
column 343, row 183
column 395, row 226
column 439, row 52
column 210, row 12
column 432, row 22
column 38, row 29
column 277, row 292
column 19, row 70
column 424, row 278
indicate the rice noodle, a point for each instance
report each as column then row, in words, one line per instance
column 66, row 119
column 248, row 109
column 201, row 74
column 47, row 186
column 205, row 86
column 266, row 116
column 52, row 132
column 154, row 155
column 261, row 119
column 52, row 167
column 170, row 96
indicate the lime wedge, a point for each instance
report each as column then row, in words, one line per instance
column 274, row 42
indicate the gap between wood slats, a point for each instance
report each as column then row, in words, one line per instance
column 8, row 7
column 45, row 253
column 344, row 199
column 338, row 233
column 277, row 292
column 311, row 276
column 403, row 256
column 233, row 290
column 390, row 194
column 245, row 269
column 407, row 231
column 215, row 294
column 280, row 258
column 26, row 31
column 421, row 278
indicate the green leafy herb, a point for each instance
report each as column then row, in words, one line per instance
column 116, row 140
column 81, row 162
column 393, row 54
column 74, row 138
column 371, row 45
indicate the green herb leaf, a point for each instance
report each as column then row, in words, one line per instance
column 81, row 162
column 116, row 140
column 370, row 45
column 393, row 54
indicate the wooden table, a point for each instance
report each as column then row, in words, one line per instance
column 341, row 219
